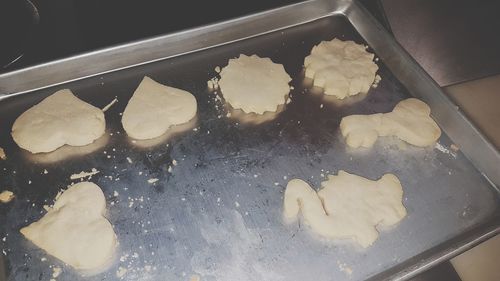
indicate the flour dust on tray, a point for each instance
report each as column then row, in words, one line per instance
column 341, row 68
column 154, row 108
column 59, row 119
column 347, row 207
column 75, row 230
column 254, row 84
column 409, row 120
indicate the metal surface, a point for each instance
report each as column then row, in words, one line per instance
column 479, row 100
column 453, row 40
column 443, row 271
column 218, row 213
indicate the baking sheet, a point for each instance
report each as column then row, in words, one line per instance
column 217, row 215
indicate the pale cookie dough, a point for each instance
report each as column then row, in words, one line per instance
column 154, row 108
column 6, row 196
column 75, row 230
column 59, row 119
column 341, row 68
column 410, row 121
column 254, row 84
column 347, row 206
column 3, row 156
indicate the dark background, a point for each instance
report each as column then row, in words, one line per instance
column 67, row 27
column 453, row 40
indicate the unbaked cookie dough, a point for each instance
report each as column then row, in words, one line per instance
column 410, row 121
column 154, row 108
column 347, row 207
column 341, row 68
column 3, row 156
column 254, row 84
column 59, row 119
column 6, row 196
column 75, row 230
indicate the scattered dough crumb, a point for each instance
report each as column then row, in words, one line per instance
column 213, row 84
column 454, row 147
column 6, row 196
column 129, row 160
column 45, row 171
column 377, row 80
column 153, row 180
column 195, row 277
column 174, row 162
column 344, row 268
column 120, row 273
column 445, row 150
column 84, row 174
column 115, row 100
column 2, row 154
column 56, row 271
column 409, row 120
column 59, row 193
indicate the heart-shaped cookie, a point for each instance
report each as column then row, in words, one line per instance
column 75, row 230
column 154, row 108
column 59, row 119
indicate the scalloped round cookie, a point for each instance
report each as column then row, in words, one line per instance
column 254, row 84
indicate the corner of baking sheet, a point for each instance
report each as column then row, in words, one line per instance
column 475, row 146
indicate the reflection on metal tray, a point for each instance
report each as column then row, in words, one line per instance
column 217, row 214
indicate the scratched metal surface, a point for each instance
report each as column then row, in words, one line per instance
column 217, row 214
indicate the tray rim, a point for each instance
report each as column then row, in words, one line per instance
column 172, row 45
column 210, row 36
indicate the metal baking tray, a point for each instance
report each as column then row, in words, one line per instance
column 218, row 213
